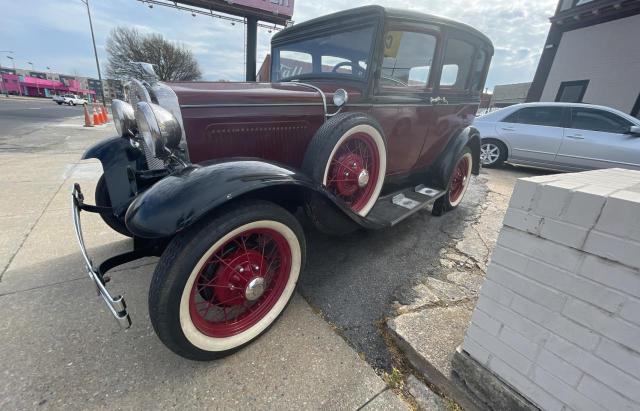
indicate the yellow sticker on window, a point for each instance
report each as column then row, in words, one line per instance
column 392, row 43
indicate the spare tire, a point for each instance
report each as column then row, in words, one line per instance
column 348, row 155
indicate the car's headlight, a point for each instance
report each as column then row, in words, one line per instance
column 123, row 117
column 159, row 128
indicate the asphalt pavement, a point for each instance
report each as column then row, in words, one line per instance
column 21, row 117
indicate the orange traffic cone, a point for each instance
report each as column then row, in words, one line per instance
column 105, row 114
column 96, row 117
column 99, row 113
column 87, row 118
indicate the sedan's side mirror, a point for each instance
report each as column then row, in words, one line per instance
column 634, row 130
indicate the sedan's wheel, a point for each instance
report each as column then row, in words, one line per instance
column 348, row 156
column 458, row 184
column 493, row 153
column 220, row 286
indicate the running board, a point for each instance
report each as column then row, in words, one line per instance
column 393, row 208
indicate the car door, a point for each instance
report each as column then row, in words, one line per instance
column 534, row 133
column 401, row 99
column 597, row 138
column 463, row 68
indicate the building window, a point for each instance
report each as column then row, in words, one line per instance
column 636, row 108
column 572, row 91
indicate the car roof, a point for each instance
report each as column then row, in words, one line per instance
column 510, row 109
column 360, row 13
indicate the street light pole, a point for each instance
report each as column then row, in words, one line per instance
column 95, row 51
column 2, row 87
column 15, row 73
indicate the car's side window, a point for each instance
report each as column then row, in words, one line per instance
column 457, row 64
column 537, row 116
column 477, row 72
column 408, row 56
column 598, row 120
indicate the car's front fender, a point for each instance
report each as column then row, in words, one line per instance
column 184, row 197
column 117, row 157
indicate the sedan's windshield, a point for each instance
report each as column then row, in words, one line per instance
column 343, row 54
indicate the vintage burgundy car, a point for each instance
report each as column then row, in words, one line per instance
column 367, row 119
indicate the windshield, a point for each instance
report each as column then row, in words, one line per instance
column 343, row 54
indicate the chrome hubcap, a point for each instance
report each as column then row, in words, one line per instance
column 363, row 178
column 254, row 289
column 489, row 153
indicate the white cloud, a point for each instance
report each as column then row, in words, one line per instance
column 55, row 32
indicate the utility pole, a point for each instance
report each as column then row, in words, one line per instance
column 95, row 52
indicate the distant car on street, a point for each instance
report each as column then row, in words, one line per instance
column 560, row 136
column 70, row 99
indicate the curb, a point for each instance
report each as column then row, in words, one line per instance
column 453, row 389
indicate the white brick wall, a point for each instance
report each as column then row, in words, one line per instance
column 558, row 316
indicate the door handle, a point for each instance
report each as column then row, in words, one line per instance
column 576, row 137
column 438, row 100
column 508, row 129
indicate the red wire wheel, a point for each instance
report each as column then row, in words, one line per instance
column 460, row 179
column 353, row 170
column 240, row 282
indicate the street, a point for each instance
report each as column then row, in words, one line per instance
column 20, row 117
column 61, row 348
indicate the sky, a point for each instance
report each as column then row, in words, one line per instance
column 55, row 33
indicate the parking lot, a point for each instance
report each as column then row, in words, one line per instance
column 61, row 348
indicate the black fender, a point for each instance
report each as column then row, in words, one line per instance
column 184, row 197
column 440, row 172
column 118, row 158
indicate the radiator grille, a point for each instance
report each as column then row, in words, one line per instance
column 153, row 163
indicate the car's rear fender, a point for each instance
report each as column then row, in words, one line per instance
column 119, row 159
column 439, row 173
column 183, row 198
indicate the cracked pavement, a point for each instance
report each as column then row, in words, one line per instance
column 359, row 281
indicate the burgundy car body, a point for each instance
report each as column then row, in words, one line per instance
column 250, row 141
column 276, row 121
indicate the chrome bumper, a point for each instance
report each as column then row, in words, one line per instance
column 116, row 305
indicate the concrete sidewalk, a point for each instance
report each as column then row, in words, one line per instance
column 60, row 348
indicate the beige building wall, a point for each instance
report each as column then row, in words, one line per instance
column 608, row 55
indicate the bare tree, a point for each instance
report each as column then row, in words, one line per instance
column 171, row 61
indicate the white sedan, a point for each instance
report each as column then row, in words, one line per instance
column 560, row 136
